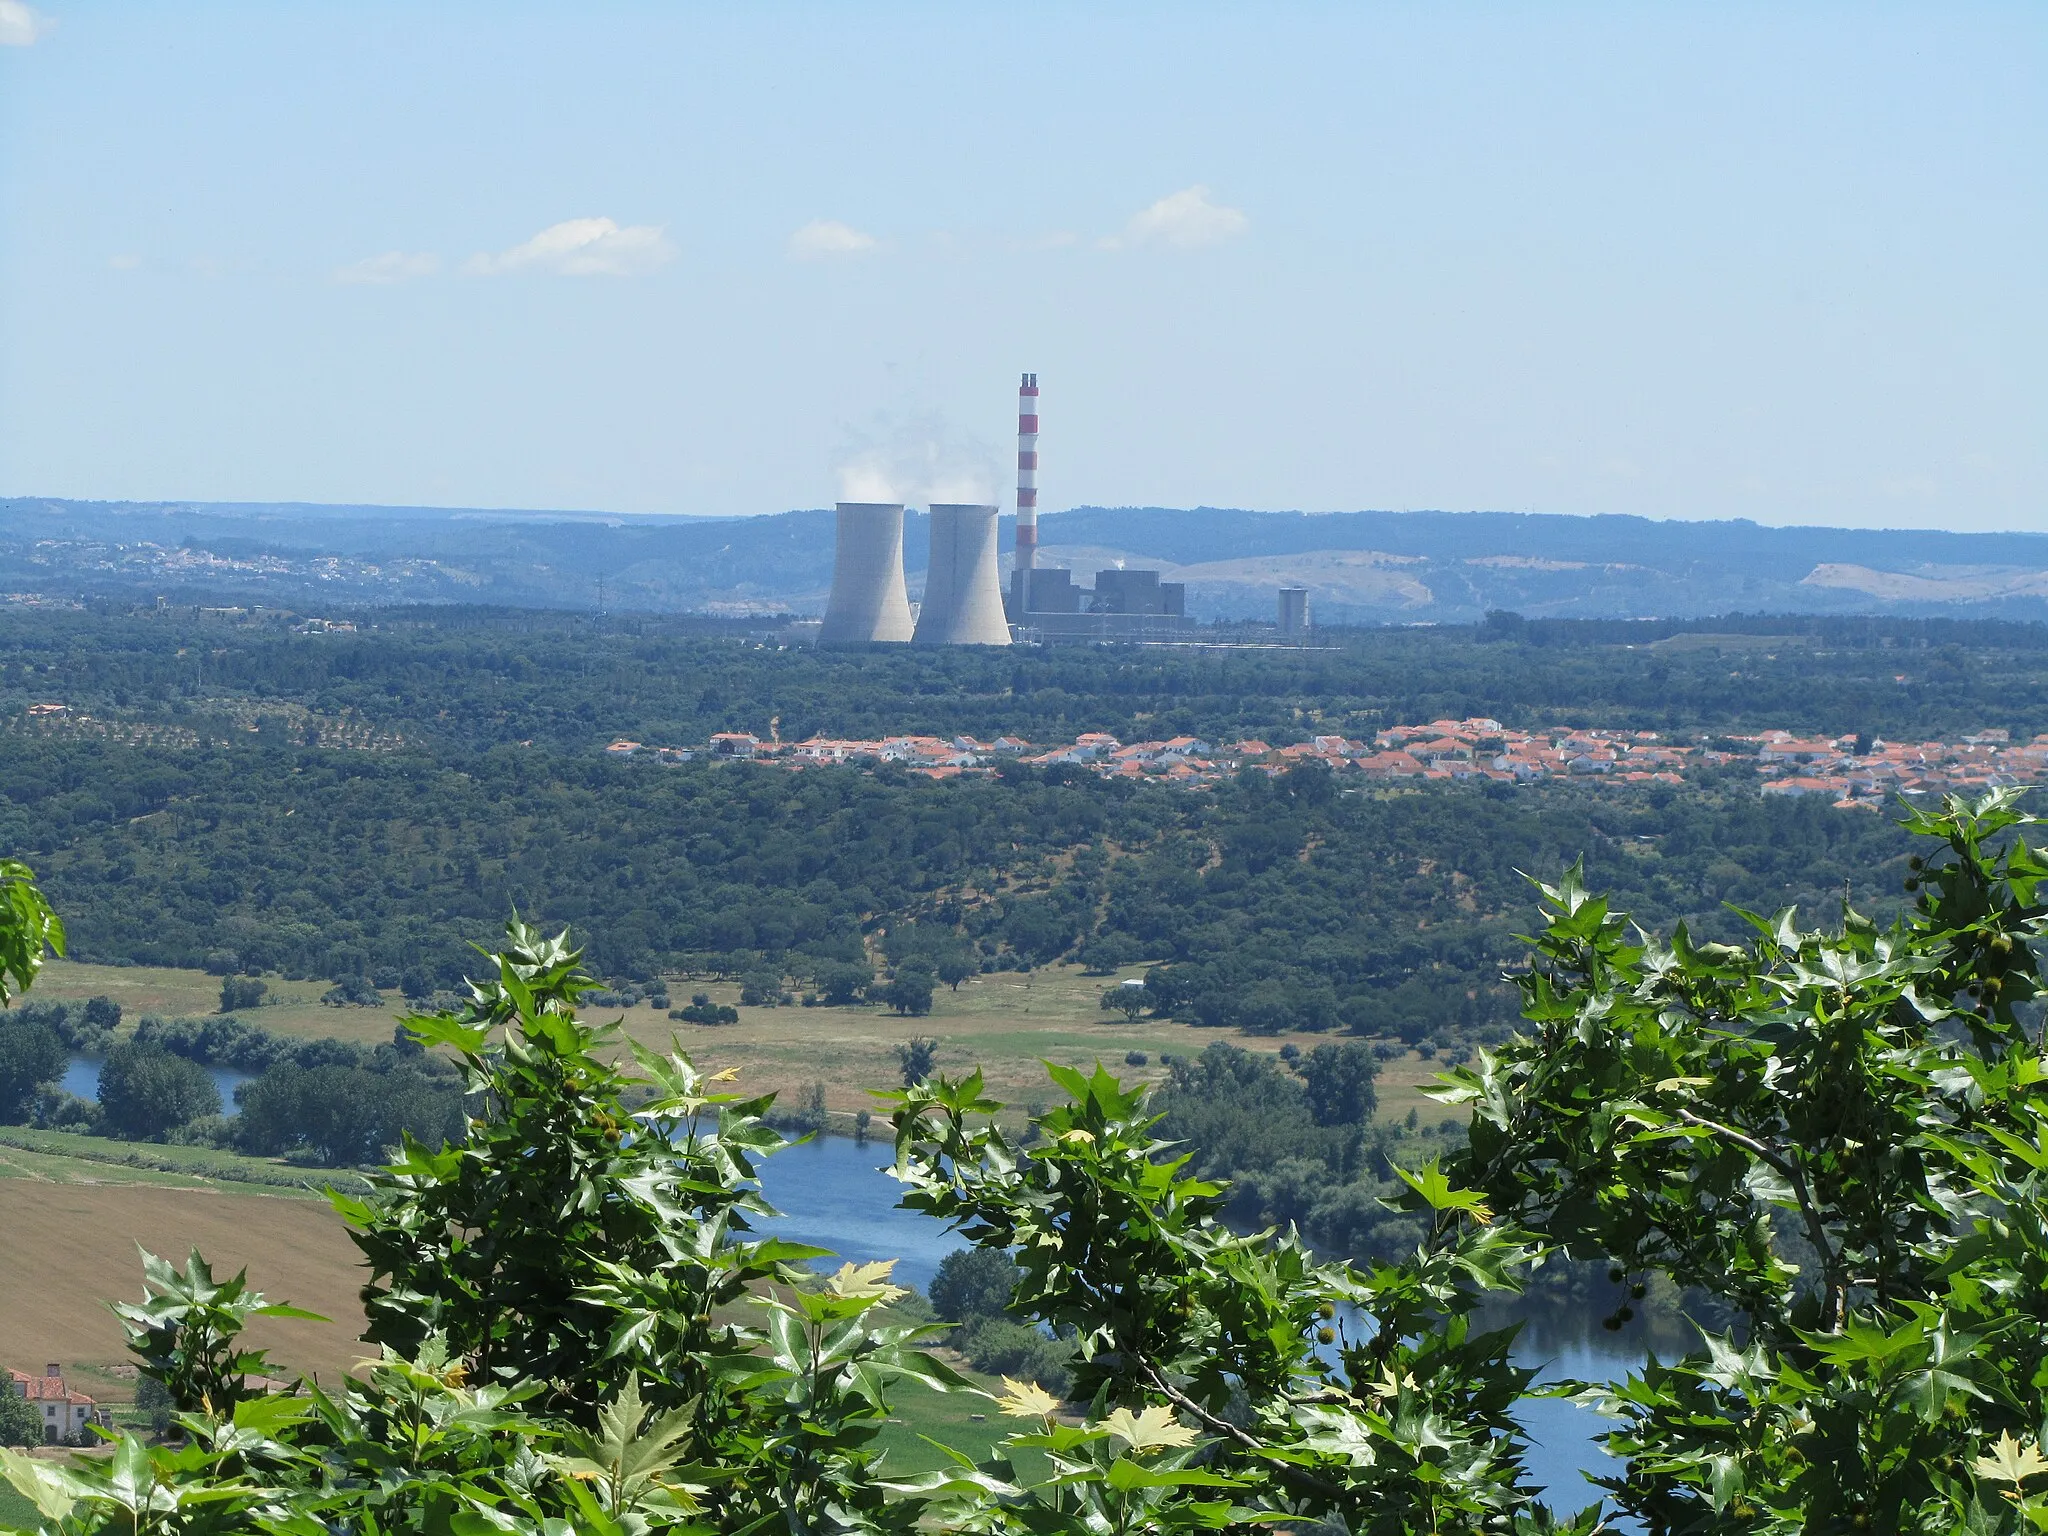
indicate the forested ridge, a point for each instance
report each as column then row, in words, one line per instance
column 1277, row 903
column 351, row 805
column 468, row 679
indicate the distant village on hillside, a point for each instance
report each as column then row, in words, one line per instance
column 1849, row 771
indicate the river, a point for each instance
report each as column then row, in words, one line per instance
column 833, row 1194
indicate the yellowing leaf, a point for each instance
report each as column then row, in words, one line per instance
column 866, row 1282
column 2010, row 1461
column 723, row 1077
column 1148, row 1431
column 1027, row 1400
column 1077, row 1135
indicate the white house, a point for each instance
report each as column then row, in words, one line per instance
column 65, row 1413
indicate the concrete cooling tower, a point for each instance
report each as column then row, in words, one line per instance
column 868, row 602
column 963, row 594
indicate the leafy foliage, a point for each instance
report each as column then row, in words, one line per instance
column 1843, row 1136
column 28, row 927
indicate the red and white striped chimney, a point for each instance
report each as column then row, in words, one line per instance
column 1027, row 473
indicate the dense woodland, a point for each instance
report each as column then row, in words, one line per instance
column 228, row 826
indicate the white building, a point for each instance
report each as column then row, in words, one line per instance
column 65, row 1413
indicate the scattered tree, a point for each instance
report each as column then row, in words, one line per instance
column 917, row 1055
column 146, row 1091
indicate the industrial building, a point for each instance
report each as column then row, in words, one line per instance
column 1294, row 613
column 963, row 590
column 964, row 602
column 1044, row 603
column 869, row 603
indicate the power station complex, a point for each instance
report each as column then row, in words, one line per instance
column 964, row 602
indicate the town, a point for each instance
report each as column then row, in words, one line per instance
column 1854, row 773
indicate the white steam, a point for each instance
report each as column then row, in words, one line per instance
column 919, row 462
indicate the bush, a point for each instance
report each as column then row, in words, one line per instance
column 761, row 989
column 344, row 1116
column 703, row 1011
column 30, row 1056
column 843, row 985
column 973, row 1284
column 916, row 1056
column 1135, row 1058
column 21, row 1421
column 147, row 1092
column 1023, row 1353
column 238, row 992
column 352, row 992
column 910, row 991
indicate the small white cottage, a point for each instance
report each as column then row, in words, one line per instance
column 65, row 1413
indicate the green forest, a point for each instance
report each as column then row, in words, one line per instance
column 360, row 807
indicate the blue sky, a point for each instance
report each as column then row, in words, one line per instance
column 1776, row 261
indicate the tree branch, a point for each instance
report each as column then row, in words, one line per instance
column 1816, row 1229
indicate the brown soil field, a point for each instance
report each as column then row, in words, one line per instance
column 70, row 1248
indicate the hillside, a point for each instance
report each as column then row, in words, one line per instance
column 1361, row 567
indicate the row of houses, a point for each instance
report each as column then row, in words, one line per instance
column 1850, row 771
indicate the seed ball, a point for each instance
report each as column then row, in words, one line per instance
column 1993, row 986
column 1615, row 1275
column 1916, row 863
column 1611, row 1324
column 2001, row 944
column 1326, row 1310
column 1626, row 1314
column 1326, row 1335
column 1639, row 1290
column 1912, row 884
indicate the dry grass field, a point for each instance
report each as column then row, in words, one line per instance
column 141, row 989
column 1005, row 1023
column 71, row 1247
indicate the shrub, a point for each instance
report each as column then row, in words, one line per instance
column 973, row 1284
column 146, row 1091
column 30, row 1056
column 238, row 992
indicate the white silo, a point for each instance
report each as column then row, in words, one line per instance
column 963, row 592
column 868, row 602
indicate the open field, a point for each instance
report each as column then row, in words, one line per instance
column 71, row 1248
column 1005, row 1022
column 141, row 989
column 69, row 1158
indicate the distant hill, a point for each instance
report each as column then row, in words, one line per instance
column 1360, row 567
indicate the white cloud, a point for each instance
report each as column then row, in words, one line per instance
column 124, row 263
column 21, row 25
column 1186, row 218
column 829, row 237
column 581, row 248
column 391, row 267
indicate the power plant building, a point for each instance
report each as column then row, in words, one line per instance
column 869, row 604
column 964, row 602
column 963, row 590
column 1293, row 612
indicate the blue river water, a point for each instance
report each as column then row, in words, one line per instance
column 82, row 1079
column 832, row 1194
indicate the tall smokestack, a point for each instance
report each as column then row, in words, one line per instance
column 1027, row 477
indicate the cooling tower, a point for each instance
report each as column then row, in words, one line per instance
column 963, row 595
column 868, row 602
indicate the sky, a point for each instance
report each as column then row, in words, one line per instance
column 1777, row 261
